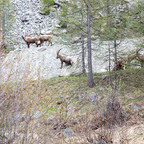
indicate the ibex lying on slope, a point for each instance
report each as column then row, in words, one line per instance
column 64, row 59
column 125, row 62
column 30, row 40
column 43, row 38
column 119, row 65
column 140, row 57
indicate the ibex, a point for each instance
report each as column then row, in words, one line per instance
column 140, row 57
column 119, row 65
column 43, row 38
column 127, row 60
column 30, row 40
column 64, row 59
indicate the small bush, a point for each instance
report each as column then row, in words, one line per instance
column 46, row 11
column 63, row 24
column 47, row 3
column 3, row 45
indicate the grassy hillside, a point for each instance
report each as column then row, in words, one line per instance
column 66, row 110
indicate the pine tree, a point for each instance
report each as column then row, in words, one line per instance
column 6, row 20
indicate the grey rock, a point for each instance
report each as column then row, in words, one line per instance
column 78, row 97
column 136, row 107
column 132, row 98
column 68, row 102
column 102, row 142
column 36, row 115
column 95, row 142
column 104, row 77
column 58, row 26
column 68, row 133
column 74, row 121
column 41, row 49
column 93, row 98
column 62, row 96
column 71, row 110
column 18, row 50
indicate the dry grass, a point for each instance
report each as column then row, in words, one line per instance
column 40, row 111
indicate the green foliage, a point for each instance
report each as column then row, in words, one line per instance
column 137, row 18
column 47, row 3
column 63, row 24
column 74, row 13
column 111, row 22
column 63, row 17
column 6, row 21
column 46, row 11
column 71, row 17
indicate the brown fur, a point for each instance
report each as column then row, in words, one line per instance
column 119, row 65
column 64, row 59
column 29, row 40
column 140, row 58
column 49, row 33
column 43, row 38
column 126, row 61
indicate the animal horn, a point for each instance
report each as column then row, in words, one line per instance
column 23, row 37
column 58, row 51
column 138, row 51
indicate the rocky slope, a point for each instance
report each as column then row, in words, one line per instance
column 35, row 63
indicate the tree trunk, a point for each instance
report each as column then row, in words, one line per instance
column 83, row 56
column 115, row 48
column 3, row 25
column 109, row 49
column 83, row 49
column 90, row 73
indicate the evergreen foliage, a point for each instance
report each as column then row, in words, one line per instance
column 137, row 18
column 6, row 21
column 47, row 4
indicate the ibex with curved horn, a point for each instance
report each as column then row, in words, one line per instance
column 64, row 59
column 140, row 57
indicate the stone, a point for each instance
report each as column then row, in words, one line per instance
column 68, row 102
column 62, row 96
column 70, row 110
column 74, row 121
column 68, row 133
column 41, row 49
column 92, row 98
column 136, row 107
column 142, row 107
column 58, row 26
column 104, row 77
column 36, row 115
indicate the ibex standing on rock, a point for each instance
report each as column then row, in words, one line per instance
column 64, row 59
column 30, row 40
column 43, row 38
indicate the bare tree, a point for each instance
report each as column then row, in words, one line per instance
column 83, row 48
column 115, row 46
column 90, row 72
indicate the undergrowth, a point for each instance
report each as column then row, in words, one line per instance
column 66, row 110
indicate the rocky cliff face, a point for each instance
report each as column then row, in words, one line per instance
column 29, row 21
column 34, row 63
